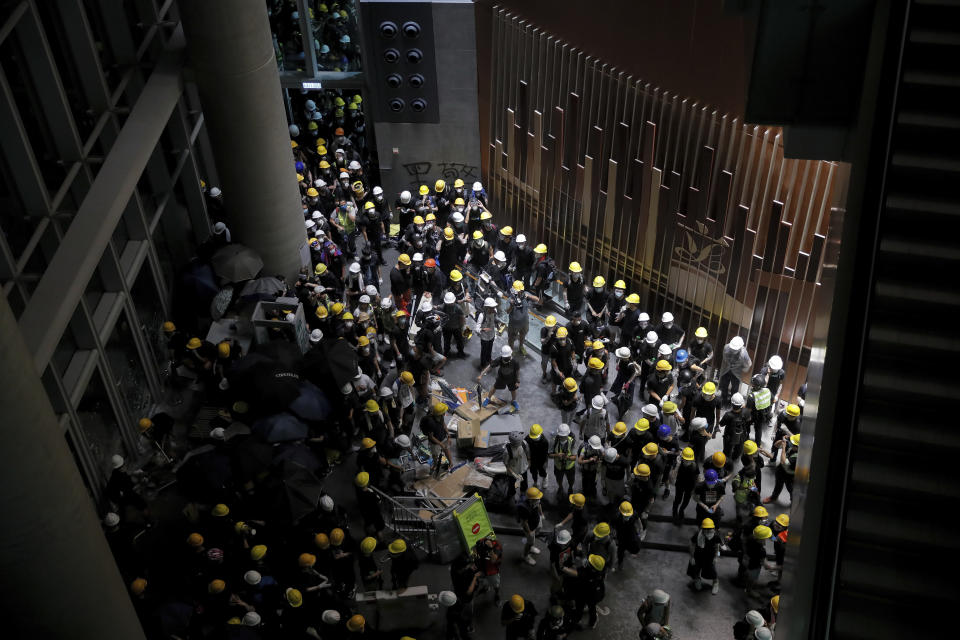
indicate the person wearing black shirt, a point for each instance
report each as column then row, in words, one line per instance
column 591, row 576
column 660, row 383
column 704, row 550
column 523, row 257
column 706, row 405
column 574, row 288
column 539, row 448
column 577, row 332
column 561, row 355
column 597, row 298
column 669, row 331
column 400, row 282
column 453, row 325
column 403, row 562
column 435, row 430
column 702, row 350
column 735, row 423
column 686, row 481
column 448, row 253
column 548, row 333
column 708, row 494
column 518, row 616
column 506, row 244
column 508, row 376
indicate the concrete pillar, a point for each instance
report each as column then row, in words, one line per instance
column 58, row 578
column 231, row 51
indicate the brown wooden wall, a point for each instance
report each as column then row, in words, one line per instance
column 698, row 212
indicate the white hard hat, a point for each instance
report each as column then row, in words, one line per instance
column 651, row 337
column 316, row 336
column 776, row 363
column 499, row 256
column 290, row 317
column 377, row 191
column 449, row 298
column 347, row 388
column 762, row 633
column 324, row 48
column 405, row 197
column 563, row 429
column 698, row 423
column 116, row 461
column 326, row 503
column 622, row 352
column 644, row 317
column 309, row 224
column 316, row 215
column 310, row 105
column 754, row 618
column 364, row 299
column 354, row 165
column 477, row 186
column 294, row 130
column 370, row 290
column 252, row 577
column 666, row 317
column 447, row 598
column 319, row 183
column 598, row 402
column 417, row 257
column 251, row 619
column 457, row 217
column 330, row 616
column 219, row 227
column 354, row 267
column 111, row 519
column 345, row 39
column 506, row 351
column 340, row 151
column 664, row 350
column 218, row 433
column 650, row 410
column 737, row 400
column 736, row 343
column 489, row 302
column 426, row 305
column 610, row 454
column 521, row 238
column 595, row 443
column 563, row 536
column 386, row 303
column 402, row 441
column 659, row 596
column 386, row 392
column 215, row 191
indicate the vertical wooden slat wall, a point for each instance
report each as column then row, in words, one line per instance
column 697, row 211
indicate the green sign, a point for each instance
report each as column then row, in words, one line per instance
column 474, row 523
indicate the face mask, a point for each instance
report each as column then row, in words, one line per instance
column 668, row 325
column 348, row 324
column 618, row 294
column 365, row 351
column 708, row 534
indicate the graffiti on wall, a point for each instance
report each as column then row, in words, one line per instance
column 427, row 172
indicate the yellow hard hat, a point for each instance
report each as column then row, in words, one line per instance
column 363, row 341
column 550, row 321
column 294, row 597
column 642, row 470
column 194, row 343
column 597, row 345
column 536, row 431
column 595, row 363
column 762, row 532
column 455, row 276
column 485, row 215
column 439, row 185
column 783, row 520
column 313, row 193
column 619, row 428
column 424, row 190
column 312, row 126
column 709, row 389
column 397, row 546
column 534, row 494
column 339, row 101
column 517, row 604
column 293, row 144
column 795, row 439
column 701, row 332
column 258, row 552
column 507, row 231
column 749, row 447
column 459, row 202
column 669, row 406
column 324, row 164
column 406, row 377
column 306, row 560
column 577, row 499
column 719, row 459
column 403, row 259
column 663, row 365
column 707, row 523
column 633, row 299
column 793, row 410
column 169, row 327
column 517, row 285
column 321, row 540
column 346, row 316
column 367, row 545
column 368, row 443
column 596, row 561
column 570, row 384
column 336, row 537
column 220, row 510
column 368, row 205
column 362, row 479
column 575, row 267
column 138, row 586
column 540, row 248
column 642, row 424
column 440, row 408
column 602, row 530
column 417, row 219
column 599, row 281
column 322, row 150
column 223, row 349
column 562, row 332
column 478, row 235
column 322, row 312
column 626, row 508
column 650, row 449
column 448, row 233
column 687, row 454
column 144, row 423
column 195, row 540
column 216, row 586
column 356, row 623
column 357, row 186
column 760, row 512
column 619, row 284
column 775, row 603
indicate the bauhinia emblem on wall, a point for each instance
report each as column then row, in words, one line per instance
column 697, row 247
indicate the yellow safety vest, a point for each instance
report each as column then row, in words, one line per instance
column 761, row 399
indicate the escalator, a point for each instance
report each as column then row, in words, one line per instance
column 897, row 536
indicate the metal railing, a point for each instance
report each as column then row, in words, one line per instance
column 426, row 522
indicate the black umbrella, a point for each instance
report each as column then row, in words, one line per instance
column 286, row 354
column 236, row 263
column 199, row 281
column 296, row 453
column 275, row 387
column 251, row 459
column 296, row 494
column 311, row 404
column 266, row 288
column 280, row 427
column 205, row 475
